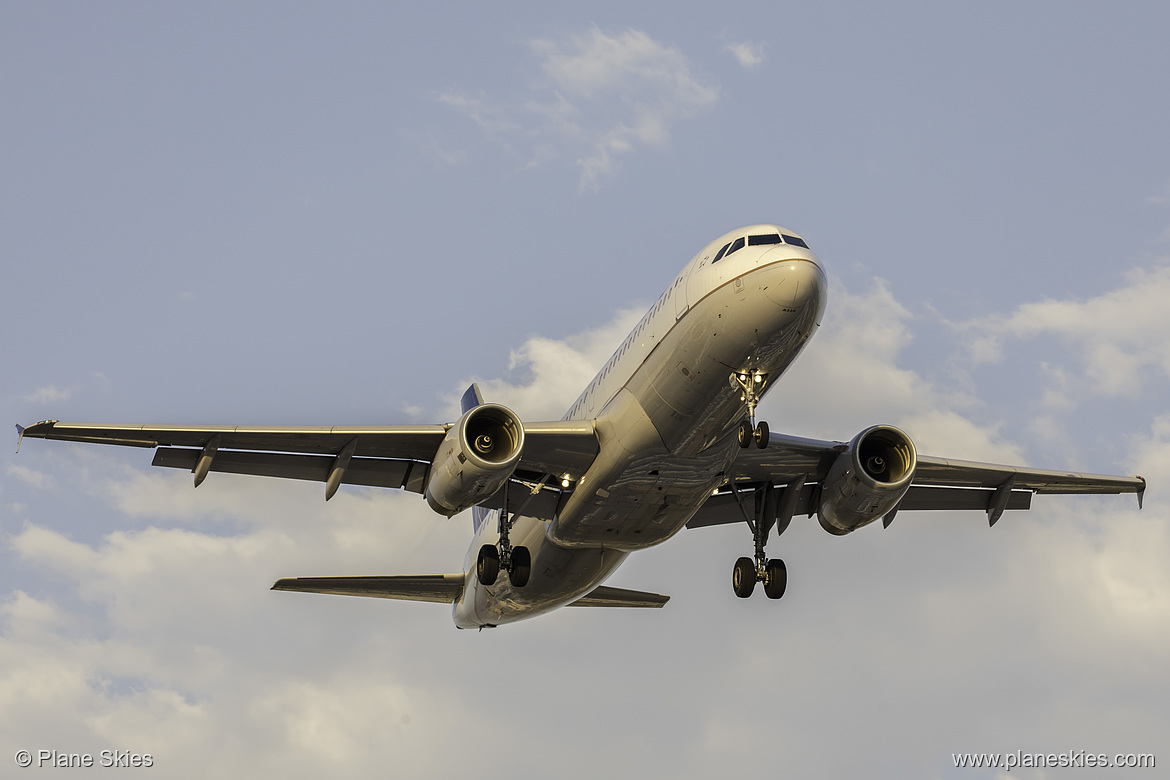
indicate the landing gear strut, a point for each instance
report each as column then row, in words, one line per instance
column 752, row 385
column 770, row 508
column 517, row 561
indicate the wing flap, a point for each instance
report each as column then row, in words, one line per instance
column 921, row 497
column 370, row 472
column 722, row 509
column 373, row 472
column 435, row 588
column 604, row 596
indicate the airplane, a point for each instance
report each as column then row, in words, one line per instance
column 664, row 437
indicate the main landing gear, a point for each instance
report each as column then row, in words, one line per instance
column 752, row 384
column 770, row 508
column 517, row 561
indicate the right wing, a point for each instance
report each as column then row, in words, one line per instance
column 394, row 456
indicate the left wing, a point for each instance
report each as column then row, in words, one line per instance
column 395, row 456
column 939, row 483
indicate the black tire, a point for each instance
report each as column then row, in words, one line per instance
column 487, row 566
column 776, row 579
column 521, row 567
column 745, row 434
column 743, row 577
column 761, row 435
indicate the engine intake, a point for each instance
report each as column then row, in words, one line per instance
column 867, row 480
column 476, row 458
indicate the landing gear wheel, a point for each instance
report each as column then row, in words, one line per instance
column 761, row 435
column 745, row 434
column 521, row 567
column 487, row 567
column 743, row 577
column 775, row 578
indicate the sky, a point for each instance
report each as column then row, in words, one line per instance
column 315, row 214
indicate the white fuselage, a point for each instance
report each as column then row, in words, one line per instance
column 666, row 412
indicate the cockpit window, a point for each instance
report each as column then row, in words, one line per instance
column 736, row 245
column 794, row 241
column 720, row 255
column 770, row 238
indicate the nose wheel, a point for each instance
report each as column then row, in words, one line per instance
column 752, row 385
column 749, row 434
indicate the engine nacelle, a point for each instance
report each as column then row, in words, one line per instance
column 867, row 480
column 476, row 458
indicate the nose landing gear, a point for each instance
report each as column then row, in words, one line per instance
column 752, row 385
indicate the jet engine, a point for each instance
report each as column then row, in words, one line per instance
column 476, row 458
column 867, row 480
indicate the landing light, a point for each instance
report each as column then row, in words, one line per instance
column 565, row 481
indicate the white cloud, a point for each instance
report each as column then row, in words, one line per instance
column 749, row 55
column 1120, row 334
column 600, row 97
column 49, row 394
column 31, row 477
column 631, row 65
column 485, row 113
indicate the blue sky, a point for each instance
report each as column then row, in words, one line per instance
column 259, row 213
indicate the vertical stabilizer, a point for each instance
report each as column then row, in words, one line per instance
column 471, row 399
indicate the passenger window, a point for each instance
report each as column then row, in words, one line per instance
column 718, row 256
column 735, row 246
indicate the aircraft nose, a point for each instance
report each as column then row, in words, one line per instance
column 796, row 283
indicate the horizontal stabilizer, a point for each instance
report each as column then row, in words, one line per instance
column 603, row 596
column 438, row 588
